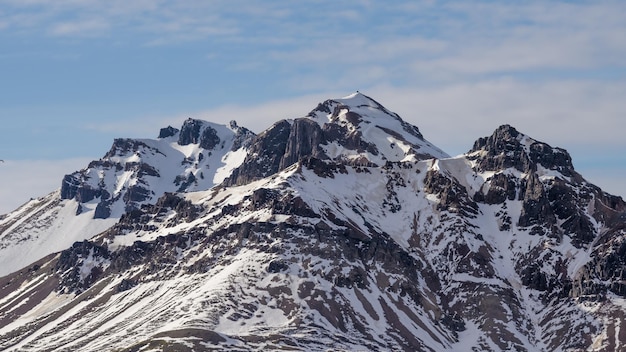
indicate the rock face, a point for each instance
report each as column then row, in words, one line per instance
column 135, row 172
column 355, row 130
column 343, row 230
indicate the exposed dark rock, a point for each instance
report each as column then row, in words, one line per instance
column 606, row 272
column 103, row 210
column 323, row 168
column 305, row 139
column 277, row 266
column 184, row 182
column 190, row 132
column 323, row 108
column 209, row 139
column 126, row 285
column 452, row 196
column 505, row 149
column 351, row 140
column 536, row 208
column 266, row 152
column 443, row 274
column 136, row 193
column 124, row 146
column 168, row 131
column 243, row 136
column 534, row 278
column 69, row 186
column 501, row 187
column 70, row 266
column 141, row 169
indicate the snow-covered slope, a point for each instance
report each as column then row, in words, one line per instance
column 505, row 247
column 134, row 172
column 43, row 226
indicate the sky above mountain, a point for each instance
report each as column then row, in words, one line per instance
column 76, row 74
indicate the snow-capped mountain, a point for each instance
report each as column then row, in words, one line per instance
column 134, row 172
column 341, row 230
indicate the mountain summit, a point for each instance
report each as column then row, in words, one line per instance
column 355, row 130
column 344, row 229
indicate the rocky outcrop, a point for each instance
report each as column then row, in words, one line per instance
column 554, row 196
column 507, row 148
column 168, row 131
column 129, row 171
column 305, row 140
column 264, row 156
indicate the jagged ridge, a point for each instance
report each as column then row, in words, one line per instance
column 355, row 239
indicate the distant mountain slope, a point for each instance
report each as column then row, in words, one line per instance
column 369, row 238
column 134, row 172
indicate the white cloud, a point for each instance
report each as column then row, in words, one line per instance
column 83, row 28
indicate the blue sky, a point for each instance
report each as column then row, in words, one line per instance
column 76, row 74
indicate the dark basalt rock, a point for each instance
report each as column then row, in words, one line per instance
column 168, row 131
column 209, row 139
column 190, row 132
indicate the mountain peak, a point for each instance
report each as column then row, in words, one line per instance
column 507, row 147
column 358, row 99
column 359, row 114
